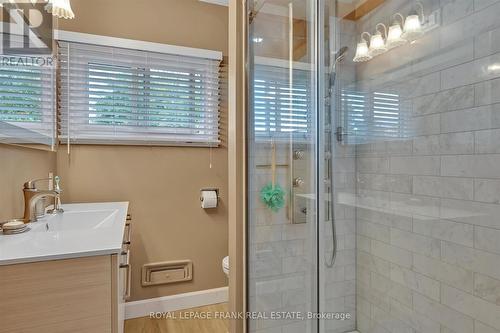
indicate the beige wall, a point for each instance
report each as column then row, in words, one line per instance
column 18, row 165
column 161, row 183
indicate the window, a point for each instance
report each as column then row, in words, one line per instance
column 281, row 110
column 369, row 117
column 26, row 101
column 122, row 96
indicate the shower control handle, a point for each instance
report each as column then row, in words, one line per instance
column 298, row 155
column 298, row 182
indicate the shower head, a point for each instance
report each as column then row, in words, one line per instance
column 340, row 54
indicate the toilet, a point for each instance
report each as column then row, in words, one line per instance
column 225, row 265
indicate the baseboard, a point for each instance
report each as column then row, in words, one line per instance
column 195, row 299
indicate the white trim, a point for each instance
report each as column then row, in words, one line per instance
column 78, row 37
column 178, row 302
column 217, row 2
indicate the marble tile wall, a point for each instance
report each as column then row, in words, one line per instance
column 428, row 227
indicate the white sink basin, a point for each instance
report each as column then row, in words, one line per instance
column 82, row 230
column 79, row 220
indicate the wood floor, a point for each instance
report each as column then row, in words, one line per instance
column 177, row 323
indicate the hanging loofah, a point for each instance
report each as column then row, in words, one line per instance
column 272, row 195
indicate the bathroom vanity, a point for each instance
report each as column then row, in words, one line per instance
column 69, row 273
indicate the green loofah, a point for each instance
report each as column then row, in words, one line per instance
column 273, row 197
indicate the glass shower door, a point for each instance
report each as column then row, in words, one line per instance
column 282, row 163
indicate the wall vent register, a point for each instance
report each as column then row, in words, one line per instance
column 167, row 272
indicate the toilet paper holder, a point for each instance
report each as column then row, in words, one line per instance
column 210, row 189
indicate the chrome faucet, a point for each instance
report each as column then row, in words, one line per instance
column 32, row 197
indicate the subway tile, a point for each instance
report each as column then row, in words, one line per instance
column 471, row 259
column 479, row 327
column 487, row 288
column 471, row 212
column 467, row 304
column 487, row 142
column 487, row 190
column 481, row 4
column 373, row 263
column 487, row 239
column 458, row 322
column 417, row 321
column 425, row 125
column 297, row 265
column 392, row 254
column 415, row 243
column 372, row 165
column 460, row 233
column 456, row 9
column 338, row 289
column 472, row 25
column 398, row 291
column 487, row 92
column 453, row 275
column 385, row 320
column 415, row 281
column 433, row 61
column 487, row 43
column 395, row 183
column 374, row 230
column 444, row 144
column 426, row 145
column 478, row 118
column 470, row 73
column 446, row 187
column 448, row 100
column 477, row 166
column 415, row 165
column 456, row 143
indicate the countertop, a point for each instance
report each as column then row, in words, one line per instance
column 89, row 229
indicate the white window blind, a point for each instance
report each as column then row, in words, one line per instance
column 281, row 109
column 27, row 94
column 369, row 117
column 122, row 96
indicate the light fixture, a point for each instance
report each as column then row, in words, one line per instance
column 413, row 24
column 60, row 9
column 362, row 51
column 377, row 42
column 257, row 39
column 394, row 36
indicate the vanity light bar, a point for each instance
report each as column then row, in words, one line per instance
column 401, row 31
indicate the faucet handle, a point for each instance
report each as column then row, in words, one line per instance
column 57, row 186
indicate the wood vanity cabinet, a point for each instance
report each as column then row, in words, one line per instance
column 85, row 294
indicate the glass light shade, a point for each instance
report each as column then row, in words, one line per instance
column 377, row 45
column 362, row 53
column 412, row 29
column 60, row 9
column 394, row 38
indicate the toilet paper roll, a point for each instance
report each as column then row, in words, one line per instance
column 208, row 199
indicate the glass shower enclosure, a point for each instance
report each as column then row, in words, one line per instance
column 373, row 153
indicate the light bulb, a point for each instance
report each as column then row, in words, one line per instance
column 413, row 28
column 394, row 36
column 362, row 53
column 60, row 9
column 377, row 45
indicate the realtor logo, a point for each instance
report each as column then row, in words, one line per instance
column 27, row 28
